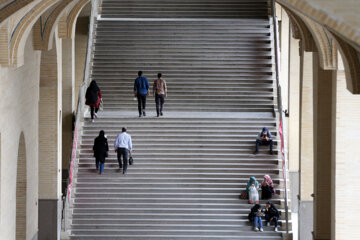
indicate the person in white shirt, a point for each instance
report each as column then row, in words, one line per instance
column 123, row 146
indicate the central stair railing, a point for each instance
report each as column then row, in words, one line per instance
column 280, row 110
column 80, row 112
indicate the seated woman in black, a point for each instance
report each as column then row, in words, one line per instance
column 271, row 214
column 267, row 188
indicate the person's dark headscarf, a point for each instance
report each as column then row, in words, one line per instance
column 271, row 204
column 102, row 134
column 94, row 86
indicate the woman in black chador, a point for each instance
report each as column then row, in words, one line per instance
column 101, row 149
column 93, row 98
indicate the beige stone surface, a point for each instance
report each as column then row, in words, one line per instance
column 50, row 123
column 294, row 106
column 68, row 81
column 19, row 108
column 323, row 80
column 347, row 159
column 307, row 128
column 81, row 39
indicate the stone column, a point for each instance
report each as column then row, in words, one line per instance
column 294, row 122
column 68, row 98
column 346, row 159
column 284, row 57
column 323, row 81
column 306, row 147
column 50, row 123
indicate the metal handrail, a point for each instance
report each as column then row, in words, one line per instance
column 78, row 119
column 280, row 110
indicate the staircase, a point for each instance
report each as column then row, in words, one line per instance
column 192, row 163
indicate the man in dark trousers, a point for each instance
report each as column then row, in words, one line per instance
column 264, row 138
column 123, row 145
column 160, row 93
column 141, row 90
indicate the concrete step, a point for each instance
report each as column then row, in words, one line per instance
column 191, row 164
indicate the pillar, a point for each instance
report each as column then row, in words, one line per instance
column 294, row 122
column 284, row 56
column 346, row 161
column 50, row 157
column 323, row 81
column 306, row 147
column 68, row 98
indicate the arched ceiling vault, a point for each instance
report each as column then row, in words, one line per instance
column 327, row 43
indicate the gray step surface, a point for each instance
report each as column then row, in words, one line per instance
column 191, row 164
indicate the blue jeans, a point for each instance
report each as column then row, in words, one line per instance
column 101, row 165
column 275, row 219
column 257, row 221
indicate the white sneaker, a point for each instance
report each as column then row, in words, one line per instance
column 96, row 116
column 261, row 229
column 256, row 229
column 268, row 224
column 92, row 120
column 276, row 229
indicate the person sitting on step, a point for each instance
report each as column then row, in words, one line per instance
column 255, row 217
column 267, row 188
column 252, row 189
column 271, row 214
column 264, row 138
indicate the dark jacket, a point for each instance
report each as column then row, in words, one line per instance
column 141, row 85
column 93, row 95
column 100, row 148
column 253, row 212
column 272, row 211
column 266, row 132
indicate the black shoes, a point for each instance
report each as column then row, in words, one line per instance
column 161, row 113
column 144, row 113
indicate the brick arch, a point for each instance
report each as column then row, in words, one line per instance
column 21, row 190
column 325, row 44
column 22, row 30
column 301, row 31
column 350, row 32
column 12, row 7
column 72, row 18
column 43, row 37
column 351, row 60
column 315, row 38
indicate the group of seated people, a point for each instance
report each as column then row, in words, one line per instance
column 270, row 212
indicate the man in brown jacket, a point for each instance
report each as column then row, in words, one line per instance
column 160, row 93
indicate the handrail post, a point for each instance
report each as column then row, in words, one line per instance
column 281, row 114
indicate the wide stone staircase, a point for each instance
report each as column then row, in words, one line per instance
column 191, row 164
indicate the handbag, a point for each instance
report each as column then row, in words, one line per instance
column 131, row 160
column 101, row 106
